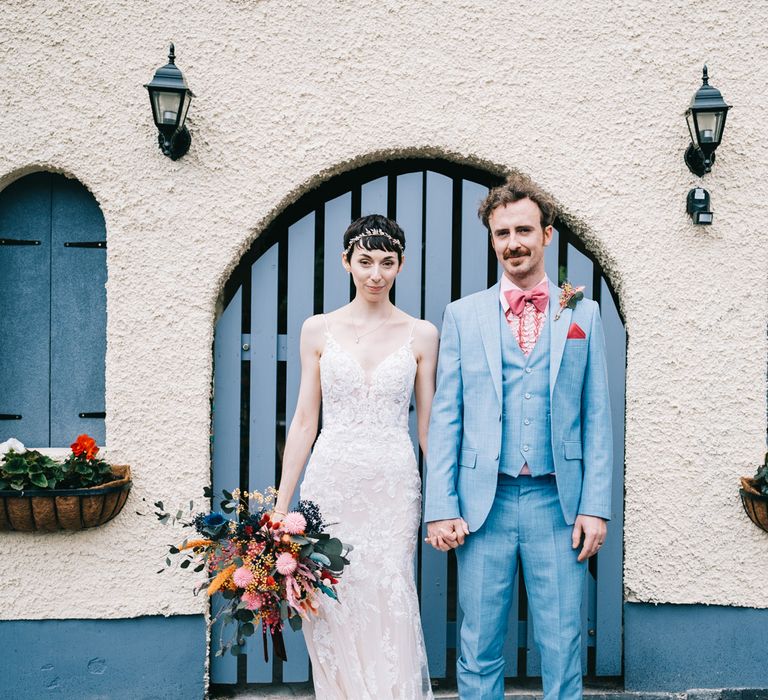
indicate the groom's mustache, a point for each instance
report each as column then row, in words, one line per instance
column 517, row 253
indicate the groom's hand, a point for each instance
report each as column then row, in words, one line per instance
column 593, row 530
column 446, row 534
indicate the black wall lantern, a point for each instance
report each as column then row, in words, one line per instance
column 170, row 96
column 706, row 119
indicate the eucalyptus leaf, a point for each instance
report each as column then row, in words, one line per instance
column 295, row 622
column 320, row 559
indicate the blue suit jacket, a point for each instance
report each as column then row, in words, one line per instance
column 465, row 426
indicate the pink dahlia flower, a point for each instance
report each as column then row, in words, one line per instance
column 242, row 576
column 286, row 564
column 294, row 523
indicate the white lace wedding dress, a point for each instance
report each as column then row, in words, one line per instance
column 363, row 475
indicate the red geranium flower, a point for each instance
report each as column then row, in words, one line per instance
column 84, row 445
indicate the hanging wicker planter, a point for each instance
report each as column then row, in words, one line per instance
column 48, row 510
column 754, row 502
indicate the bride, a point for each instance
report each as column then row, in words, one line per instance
column 363, row 360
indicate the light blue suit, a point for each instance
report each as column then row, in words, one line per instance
column 492, row 410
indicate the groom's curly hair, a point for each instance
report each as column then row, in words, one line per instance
column 518, row 187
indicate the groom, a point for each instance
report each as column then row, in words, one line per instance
column 519, row 460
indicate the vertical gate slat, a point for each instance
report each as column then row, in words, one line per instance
column 226, row 446
column 262, row 446
column 474, row 239
column 580, row 270
column 78, row 313
column 338, row 213
column 408, row 213
column 437, row 293
column 409, row 216
column 551, row 261
column 610, row 559
column 301, row 273
column 373, row 197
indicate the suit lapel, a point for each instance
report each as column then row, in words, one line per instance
column 558, row 333
column 488, row 317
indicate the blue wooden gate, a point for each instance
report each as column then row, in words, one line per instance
column 53, row 311
column 294, row 271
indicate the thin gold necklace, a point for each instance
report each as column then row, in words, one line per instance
column 362, row 335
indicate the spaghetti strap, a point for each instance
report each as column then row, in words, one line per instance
column 413, row 325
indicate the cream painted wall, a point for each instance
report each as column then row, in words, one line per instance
column 588, row 98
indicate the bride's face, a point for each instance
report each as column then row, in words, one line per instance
column 373, row 272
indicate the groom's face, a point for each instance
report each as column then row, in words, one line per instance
column 519, row 240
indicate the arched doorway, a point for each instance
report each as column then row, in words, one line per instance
column 54, row 309
column 292, row 271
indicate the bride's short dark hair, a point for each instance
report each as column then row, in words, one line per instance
column 374, row 232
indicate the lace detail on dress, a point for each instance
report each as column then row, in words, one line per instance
column 364, row 476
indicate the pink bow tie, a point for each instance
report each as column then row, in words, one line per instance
column 516, row 298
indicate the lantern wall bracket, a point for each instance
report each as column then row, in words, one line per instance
column 696, row 161
column 178, row 144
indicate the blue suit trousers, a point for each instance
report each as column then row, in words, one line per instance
column 526, row 520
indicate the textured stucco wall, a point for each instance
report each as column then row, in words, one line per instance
column 588, row 98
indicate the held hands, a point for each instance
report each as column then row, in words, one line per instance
column 593, row 530
column 446, row 534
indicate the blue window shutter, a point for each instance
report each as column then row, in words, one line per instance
column 25, row 215
column 78, row 313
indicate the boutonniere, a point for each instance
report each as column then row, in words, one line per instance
column 569, row 297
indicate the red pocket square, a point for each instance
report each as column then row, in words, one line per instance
column 575, row 332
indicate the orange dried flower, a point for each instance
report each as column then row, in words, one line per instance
column 221, row 578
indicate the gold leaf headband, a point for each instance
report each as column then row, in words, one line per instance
column 367, row 233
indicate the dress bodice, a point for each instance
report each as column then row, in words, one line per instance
column 373, row 405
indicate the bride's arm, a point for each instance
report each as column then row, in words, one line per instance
column 426, row 340
column 303, row 428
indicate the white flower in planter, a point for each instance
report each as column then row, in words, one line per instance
column 12, row 444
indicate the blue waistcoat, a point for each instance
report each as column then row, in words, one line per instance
column 526, row 433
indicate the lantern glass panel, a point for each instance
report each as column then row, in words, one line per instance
column 710, row 127
column 187, row 98
column 689, row 116
column 166, row 104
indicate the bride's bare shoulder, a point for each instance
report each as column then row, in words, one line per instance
column 313, row 330
column 424, row 332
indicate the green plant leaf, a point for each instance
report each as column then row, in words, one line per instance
column 248, row 629
column 295, row 622
column 39, row 479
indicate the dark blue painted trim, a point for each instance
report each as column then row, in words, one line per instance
column 144, row 658
column 679, row 647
